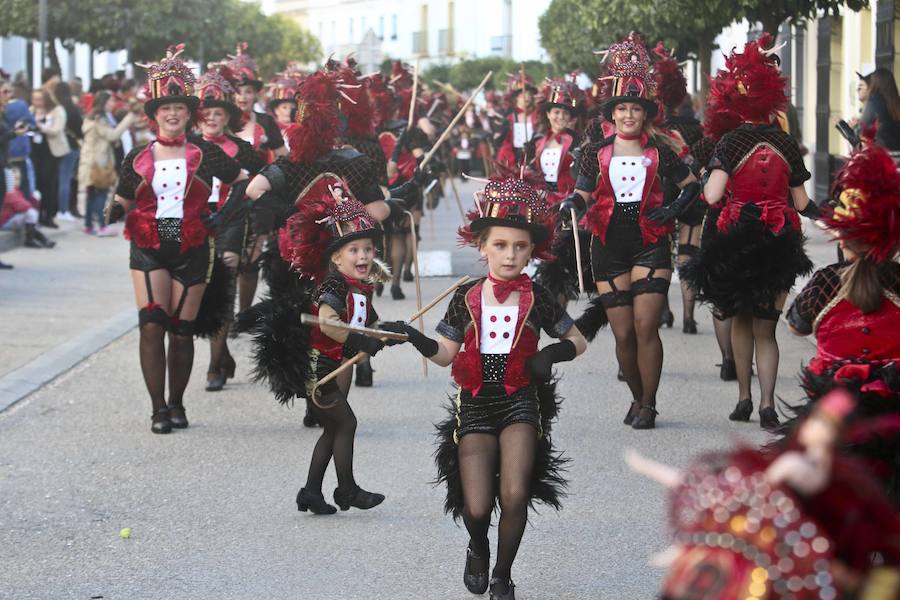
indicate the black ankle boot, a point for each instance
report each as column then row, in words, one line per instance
column 397, row 293
column 632, row 412
column 742, row 410
column 216, row 382
column 408, row 275
column 31, row 240
column 229, row 366
column 502, row 589
column 159, row 421
column 689, row 326
column 177, row 416
column 314, row 503
column 646, row 418
column 667, row 319
column 309, row 419
column 768, row 418
column 476, row 579
column 357, row 498
column 728, row 371
column 364, row 372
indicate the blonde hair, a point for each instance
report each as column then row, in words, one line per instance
column 661, row 138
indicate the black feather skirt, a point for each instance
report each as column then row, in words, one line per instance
column 746, row 267
column 217, row 305
column 548, row 483
column 872, row 430
column 560, row 276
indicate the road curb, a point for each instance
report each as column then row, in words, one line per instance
column 21, row 382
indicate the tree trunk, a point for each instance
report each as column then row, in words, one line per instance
column 704, row 53
column 771, row 24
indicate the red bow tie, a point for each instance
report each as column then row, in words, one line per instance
column 216, row 139
column 503, row 288
column 365, row 288
column 175, row 141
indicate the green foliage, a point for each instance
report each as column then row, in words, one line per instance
column 772, row 13
column 210, row 28
column 467, row 74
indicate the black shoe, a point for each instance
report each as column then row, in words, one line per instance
column 476, row 580
column 742, row 410
column 30, row 242
column 502, row 589
column 379, row 289
column 408, row 275
column 49, row 223
column 768, row 418
column 397, row 293
column 314, row 503
column 689, row 326
column 4, row 265
column 357, row 498
column 728, row 370
column 217, row 382
column 646, row 418
column 160, row 422
column 632, row 412
column 229, row 366
column 177, row 417
column 620, row 375
column 667, row 319
column 364, row 372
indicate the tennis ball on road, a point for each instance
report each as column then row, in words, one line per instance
column 125, row 533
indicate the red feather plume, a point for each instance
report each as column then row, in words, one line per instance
column 317, row 123
column 671, row 85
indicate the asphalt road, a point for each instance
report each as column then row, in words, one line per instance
column 212, row 512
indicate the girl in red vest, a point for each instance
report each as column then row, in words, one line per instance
column 622, row 177
column 500, row 422
column 165, row 188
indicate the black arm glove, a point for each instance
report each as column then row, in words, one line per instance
column 574, row 200
column 426, row 346
column 669, row 212
column 540, row 365
column 266, row 212
column 812, row 211
column 114, row 212
column 233, row 207
column 357, row 342
column 400, row 146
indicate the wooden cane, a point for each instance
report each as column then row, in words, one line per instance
column 412, row 103
column 577, row 251
column 458, row 116
column 307, row 319
column 362, row 355
column 415, row 251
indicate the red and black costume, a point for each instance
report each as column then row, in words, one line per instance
column 856, row 349
column 519, row 127
column 265, row 135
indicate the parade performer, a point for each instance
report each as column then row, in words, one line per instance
column 282, row 104
column 330, row 241
column 219, row 117
column 164, row 188
column 554, row 158
column 622, row 178
column 517, row 129
column 404, row 146
column 803, row 523
column 747, row 269
column 496, row 441
column 853, row 308
column 671, row 91
column 259, row 129
column 277, row 191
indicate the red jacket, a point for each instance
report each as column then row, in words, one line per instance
column 565, row 183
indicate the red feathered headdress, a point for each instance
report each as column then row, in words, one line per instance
column 354, row 98
column 671, row 85
column 328, row 217
column 867, row 203
column 317, row 123
column 381, row 99
column 511, row 202
column 750, row 85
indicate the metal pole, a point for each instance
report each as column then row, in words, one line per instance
column 42, row 34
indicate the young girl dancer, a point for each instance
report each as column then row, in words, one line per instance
column 500, row 420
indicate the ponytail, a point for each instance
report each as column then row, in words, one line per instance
column 861, row 285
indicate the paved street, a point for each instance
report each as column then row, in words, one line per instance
column 212, row 509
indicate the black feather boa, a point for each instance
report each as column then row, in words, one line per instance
column 560, row 276
column 217, row 305
column 548, row 482
column 746, row 266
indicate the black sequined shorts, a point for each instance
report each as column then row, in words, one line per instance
column 493, row 410
column 624, row 247
column 189, row 268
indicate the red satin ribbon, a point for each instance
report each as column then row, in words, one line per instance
column 361, row 286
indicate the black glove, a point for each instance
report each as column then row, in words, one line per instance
column 408, row 191
column 812, row 211
column 400, row 146
column 357, row 342
column 540, row 365
column 267, row 212
column 115, row 212
column 573, row 200
column 234, row 207
column 426, row 346
column 669, row 212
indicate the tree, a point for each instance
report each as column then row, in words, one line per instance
column 772, row 13
column 296, row 44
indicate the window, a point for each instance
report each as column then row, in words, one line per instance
column 393, row 27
